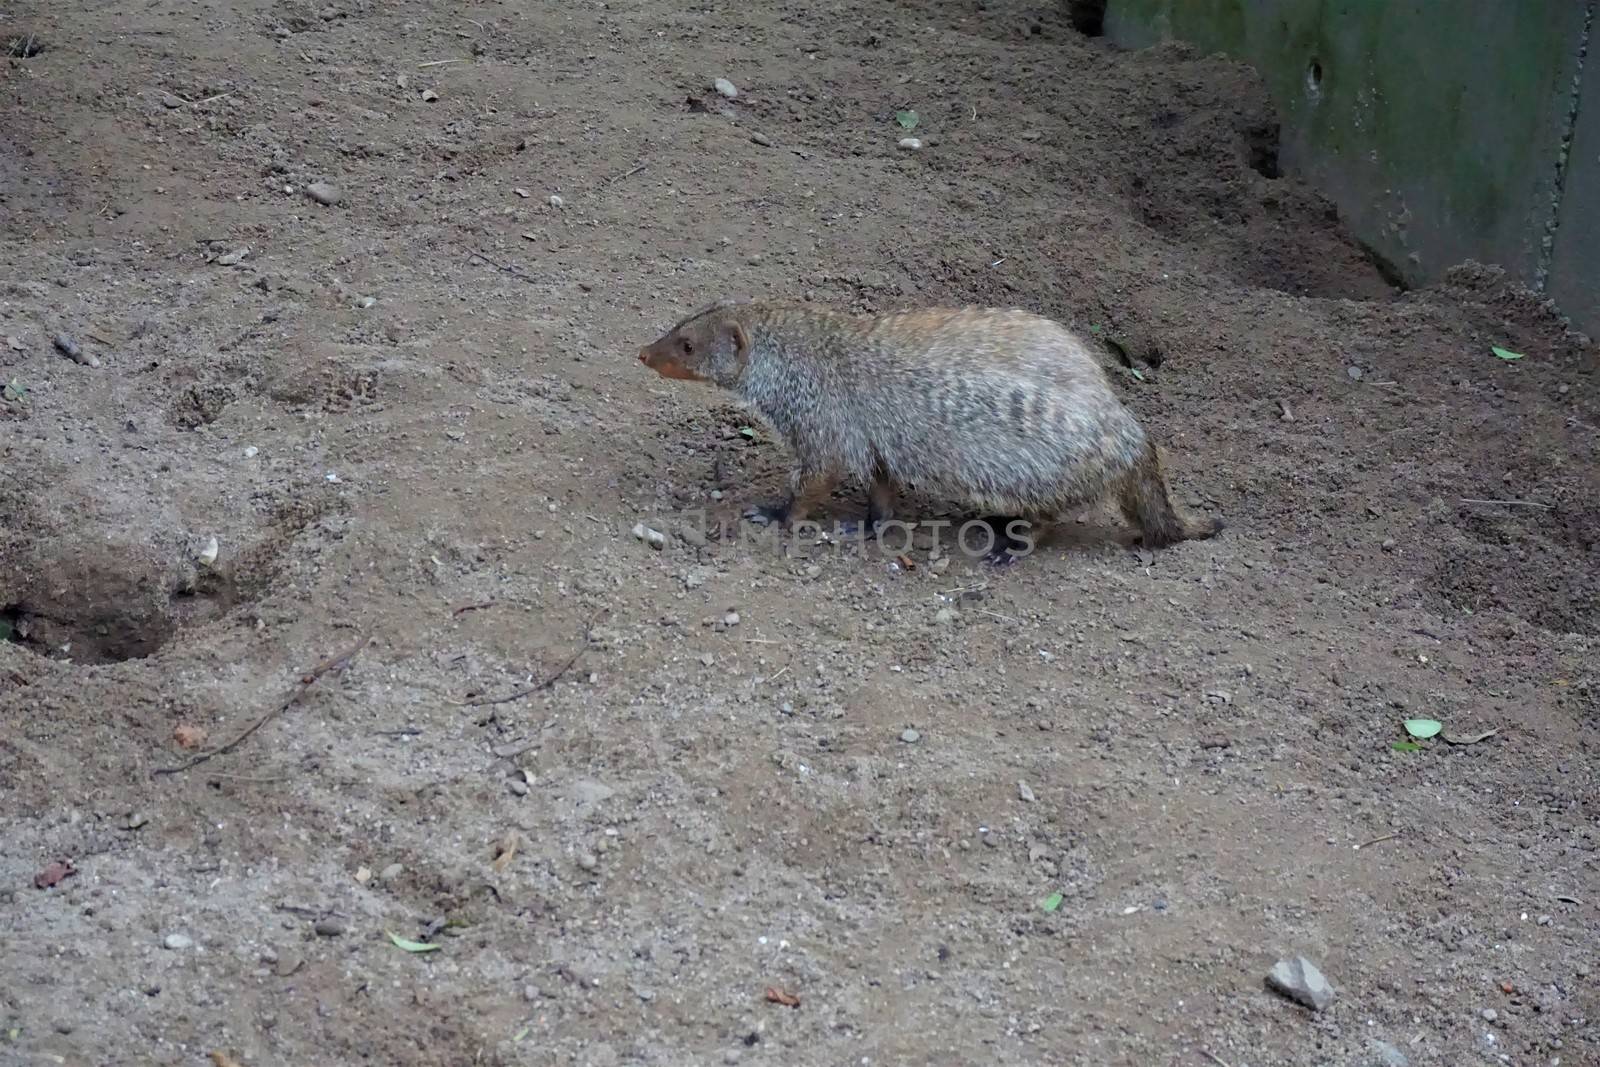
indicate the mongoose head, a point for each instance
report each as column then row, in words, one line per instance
column 711, row 345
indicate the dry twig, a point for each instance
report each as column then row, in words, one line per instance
column 307, row 680
column 527, row 691
column 515, row 272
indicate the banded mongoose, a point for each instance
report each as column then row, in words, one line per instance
column 1003, row 411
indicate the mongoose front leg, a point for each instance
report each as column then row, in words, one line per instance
column 1007, row 549
column 807, row 489
column 880, row 505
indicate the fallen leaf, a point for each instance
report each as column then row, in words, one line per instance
column 411, row 946
column 1505, row 353
column 189, row 736
column 1468, row 739
column 907, row 562
column 505, row 852
column 53, row 873
column 1406, row 746
column 907, row 119
column 363, row 875
column 222, row 1059
column 1422, row 729
column 1051, row 902
column 778, row 996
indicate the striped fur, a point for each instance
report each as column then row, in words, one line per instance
column 1000, row 410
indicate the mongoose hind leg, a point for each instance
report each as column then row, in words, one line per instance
column 1146, row 502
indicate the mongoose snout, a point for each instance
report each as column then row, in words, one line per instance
column 1000, row 410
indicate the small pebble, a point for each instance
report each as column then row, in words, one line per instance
column 1490, row 1015
column 556, row 201
column 731, row 618
column 1389, row 544
column 1388, row 1055
column 250, row 451
column 944, row 617
column 1025, row 793
column 910, row 736
column 366, row 302
column 518, row 787
column 726, row 88
column 911, row 144
column 1354, row 373
column 178, row 942
column 289, row 961
column 324, row 194
column 530, row 993
column 429, row 96
column 391, row 872
column 332, row 926
column 761, row 139
column 587, row 861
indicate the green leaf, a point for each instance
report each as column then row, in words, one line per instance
column 908, row 119
column 520, row 1034
column 1406, row 746
column 747, row 431
column 1422, row 729
column 1505, row 353
column 1051, row 902
column 1136, row 372
column 1095, row 328
column 15, row 391
column 411, row 946
column 5, row 629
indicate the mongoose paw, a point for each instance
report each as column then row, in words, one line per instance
column 767, row 514
column 860, row 527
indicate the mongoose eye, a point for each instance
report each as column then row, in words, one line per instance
column 688, row 347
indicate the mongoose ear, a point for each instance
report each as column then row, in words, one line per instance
column 741, row 340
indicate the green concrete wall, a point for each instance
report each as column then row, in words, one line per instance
column 1435, row 125
column 1575, row 262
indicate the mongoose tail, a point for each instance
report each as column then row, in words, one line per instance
column 1146, row 502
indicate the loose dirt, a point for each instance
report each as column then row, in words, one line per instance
column 626, row 789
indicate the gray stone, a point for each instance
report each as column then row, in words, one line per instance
column 178, row 942
column 1299, row 979
column 910, row 736
column 391, row 872
column 324, row 194
column 726, row 88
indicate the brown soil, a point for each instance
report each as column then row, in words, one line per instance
column 1188, row 746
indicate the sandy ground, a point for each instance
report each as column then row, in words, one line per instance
column 624, row 790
